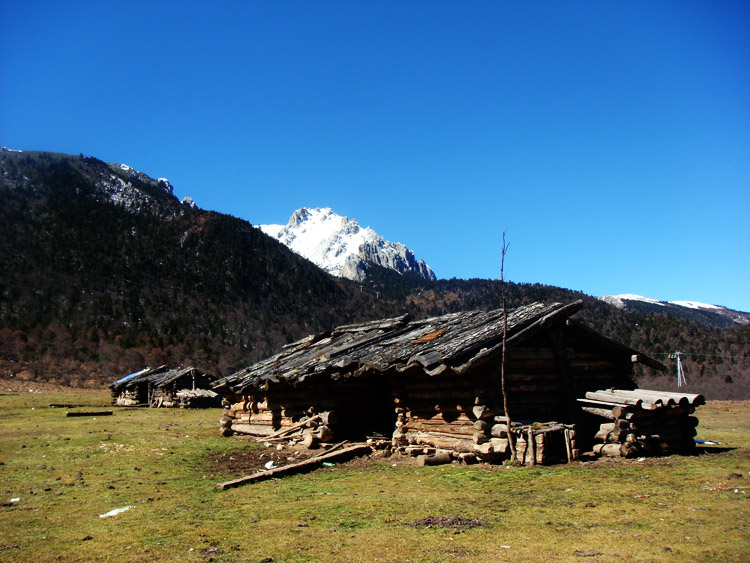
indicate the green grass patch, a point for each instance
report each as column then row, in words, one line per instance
column 162, row 463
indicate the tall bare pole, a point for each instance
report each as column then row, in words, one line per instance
column 511, row 438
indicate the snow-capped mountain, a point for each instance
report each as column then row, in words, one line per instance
column 125, row 186
column 341, row 247
column 714, row 314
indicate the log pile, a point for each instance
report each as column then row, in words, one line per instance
column 127, row 398
column 480, row 433
column 254, row 418
column 642, row 422
column 196, row 398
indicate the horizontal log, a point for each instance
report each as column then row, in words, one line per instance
column 614, row 398
column 64, row 405
column 439, row 458
column 442, row 434
column 610, row 450
column 582, row 364
column 683, row 399
column 306, row 465
column 665, row 434
column 88, row 413
column 604, row 413
column 445, row 428
column 533, row 353
column 442, row 442
column 252, row 429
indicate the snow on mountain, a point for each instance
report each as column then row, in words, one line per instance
column 695, row 305
column 619, row 301
column 341, row 247
column 714, row 314
column 123, row 185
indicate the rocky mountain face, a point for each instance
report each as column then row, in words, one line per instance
column 343, row 248
column 714, row 315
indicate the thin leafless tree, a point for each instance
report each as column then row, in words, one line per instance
column 511, row 438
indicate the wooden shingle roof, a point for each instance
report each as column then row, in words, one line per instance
column 156, row 377
column 453, row 342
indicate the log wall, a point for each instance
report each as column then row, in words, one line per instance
column 362, row 407
column 459, row 413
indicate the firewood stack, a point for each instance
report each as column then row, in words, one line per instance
column 481, row 433
column 254, row 418
column 642, row 422
column 536, row 443
column 196, row 398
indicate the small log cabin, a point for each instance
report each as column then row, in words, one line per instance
column 164, row 387
column 435, row 384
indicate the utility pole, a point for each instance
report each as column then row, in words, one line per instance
column 680, row 372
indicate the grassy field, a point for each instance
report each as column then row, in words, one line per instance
column 67, row 472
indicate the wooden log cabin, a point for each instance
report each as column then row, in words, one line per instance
column 435, row 384
column 165, row 387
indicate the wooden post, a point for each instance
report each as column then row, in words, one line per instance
column 568, row 446
column 511, row 438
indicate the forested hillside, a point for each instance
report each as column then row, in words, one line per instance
column 93, row 288
column 105, row 272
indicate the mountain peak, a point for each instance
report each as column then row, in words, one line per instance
column 341, row 247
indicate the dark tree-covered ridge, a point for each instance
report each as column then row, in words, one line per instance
column 105, row 272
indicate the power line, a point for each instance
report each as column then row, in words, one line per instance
column 670, row 354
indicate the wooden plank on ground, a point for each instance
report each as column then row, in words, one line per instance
column 306, row 465
column 88, row 413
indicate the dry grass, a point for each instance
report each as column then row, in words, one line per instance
column 68, row 471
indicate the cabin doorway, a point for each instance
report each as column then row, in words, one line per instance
column 365, row 409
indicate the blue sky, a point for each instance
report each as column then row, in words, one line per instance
column 611, row 140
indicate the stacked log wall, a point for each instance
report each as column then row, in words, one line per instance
column 465, row 416
column 363, row 406
column 634, row 423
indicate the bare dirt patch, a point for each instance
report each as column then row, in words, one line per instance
column 457, row 524
column 256, row 456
